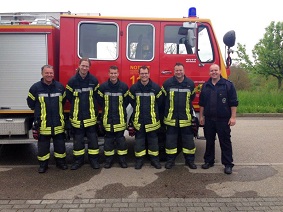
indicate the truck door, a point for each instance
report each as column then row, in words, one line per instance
column 140, row 46
column 196, row 48
column 21, row 57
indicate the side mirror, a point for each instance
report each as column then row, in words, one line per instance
column 229, row 38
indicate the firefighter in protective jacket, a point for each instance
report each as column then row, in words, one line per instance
column 146, row 99
column 114, row 99
column 47, row 98
column 81, row 92
column 179, row 94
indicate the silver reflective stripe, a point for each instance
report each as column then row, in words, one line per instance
column 113, row 94
column 83, row 90
column 145, row 94
column 183, row 90
column 55, row 94
column 43, row 95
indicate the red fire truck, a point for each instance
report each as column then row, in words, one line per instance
column 30, row 40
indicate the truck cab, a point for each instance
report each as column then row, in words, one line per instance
column 129, row 43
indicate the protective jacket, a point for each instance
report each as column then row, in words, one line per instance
column 146, row 100
column 47, row 102
column 82, row 94
column 178, row 102
column 218, row 99
column 114, row 99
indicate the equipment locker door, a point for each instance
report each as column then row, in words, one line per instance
column 21, row 59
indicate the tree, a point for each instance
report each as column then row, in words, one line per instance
column 267, row 54
column 240, row 78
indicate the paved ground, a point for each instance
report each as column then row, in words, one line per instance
column 255, row 185
column 146, row 204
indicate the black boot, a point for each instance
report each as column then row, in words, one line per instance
column 61, row 163
column 79, row 161
column 122, row 161
column 154, row 161
column 139, row 163
column 94, row 161
column 170, row 161
column 108, row 162
column 43, row 166
column 190, row 158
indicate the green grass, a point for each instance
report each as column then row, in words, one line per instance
column 260, row 102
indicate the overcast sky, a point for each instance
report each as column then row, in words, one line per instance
column 248, row 18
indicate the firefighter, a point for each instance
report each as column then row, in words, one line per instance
column 218, row 105
column 114, row 99
column 146, row 99
column 47, row 98
column 179, row 94
column 81, row 92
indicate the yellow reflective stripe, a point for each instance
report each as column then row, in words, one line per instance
column 152, row 127
column 58, row 130
column 189, row 151
column 75, row 123
column 100, row 93
column 169, row 122
column 164, row 91
column 152, row 111
column 93, row 151
column 31, row 96
column 137, row 114
column 61, row 109
column 122, row 152
column 140, row 154
column 45, row 131
column 159, row 94
column 106, row 110
column 116, row 127
column 58, row 155
column 107, row 127
column 89, row 122
column 153, row 153
column 97, row 86
column 79, row 152
column 69, row 88
column 126, row 94
column 171, row 105
column 131, row 95
column 43, row 112
column 76, row 109
column 185, row 123
column 171, row 151
column 91, row 106
column 44, row 158
column 109, row 153
column 119, row 127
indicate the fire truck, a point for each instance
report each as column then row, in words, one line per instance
column 30, row 40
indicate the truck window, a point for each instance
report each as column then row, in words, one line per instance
column 188, row 42
column 178, row 44
column 140, row 42
column 205, row 52
column 98, row 41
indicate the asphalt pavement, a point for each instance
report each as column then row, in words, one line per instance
column 256, row 183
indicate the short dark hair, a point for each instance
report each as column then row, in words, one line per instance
column 46, row 66
column 85, row 59
column 179, row 64
column 143, row 67
column 113, row 67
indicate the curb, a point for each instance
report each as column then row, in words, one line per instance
column 259, row 114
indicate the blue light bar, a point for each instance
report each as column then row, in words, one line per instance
column 192, row 12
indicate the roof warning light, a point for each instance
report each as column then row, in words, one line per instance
column 192, row 12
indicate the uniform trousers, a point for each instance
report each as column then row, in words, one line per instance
column 44, row 147
column 223, row 131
